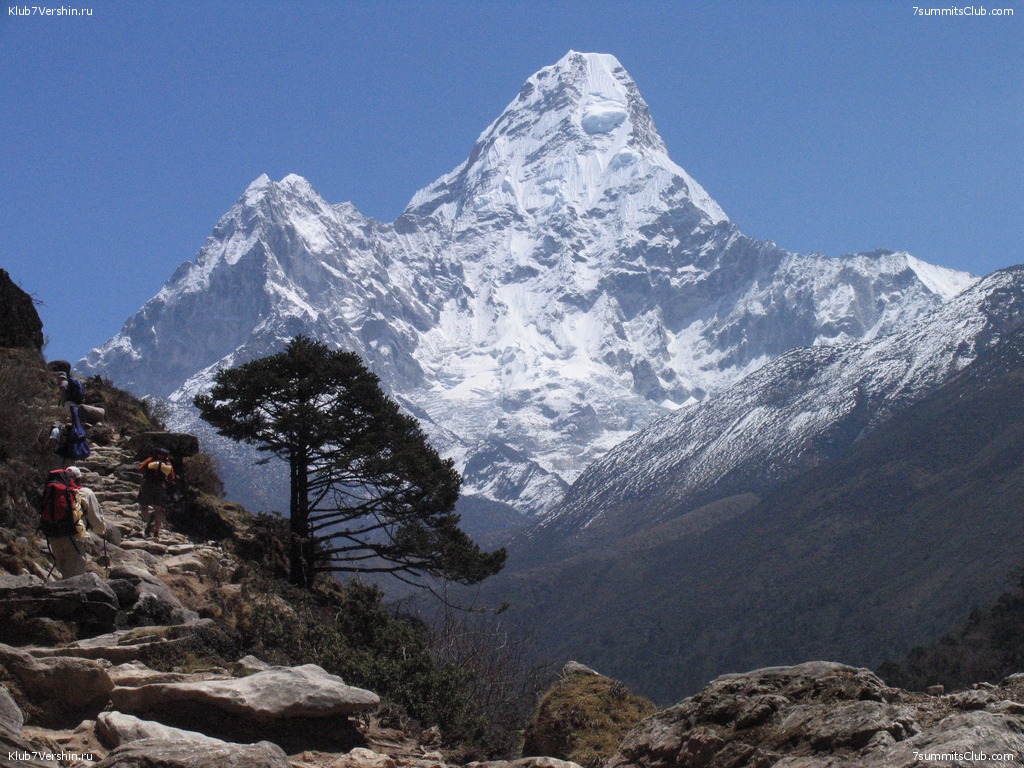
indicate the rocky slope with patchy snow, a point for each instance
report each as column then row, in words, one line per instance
column 561, row 289
column 802, row 408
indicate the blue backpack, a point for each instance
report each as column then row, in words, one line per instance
column 77, row 445
column 76, row 391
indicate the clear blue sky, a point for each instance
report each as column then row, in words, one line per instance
column 824, row 126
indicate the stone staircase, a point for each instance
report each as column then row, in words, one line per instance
column 111, row 471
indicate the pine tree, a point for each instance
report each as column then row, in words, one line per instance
column 368, row 492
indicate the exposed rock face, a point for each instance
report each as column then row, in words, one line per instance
column 151, row 598
column 295, row 707
column 11, row 718
column 275, row 694
column 85, row 600
column 64, row 686
column 182, row 753
column 20, row 325
column 822, row 715
column 115, row 729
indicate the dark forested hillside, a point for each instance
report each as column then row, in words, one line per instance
column 854, row 561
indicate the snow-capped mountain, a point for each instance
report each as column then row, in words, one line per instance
column 847, row 501
column 562, row 288
column 804, row 407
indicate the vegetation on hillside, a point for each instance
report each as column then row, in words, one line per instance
column 987, row 647
column 348, row 629
column 857, row 560
column 369, row 494
column 583, row 718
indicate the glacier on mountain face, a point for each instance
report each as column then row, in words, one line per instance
column 803, row 407
column 562, row 288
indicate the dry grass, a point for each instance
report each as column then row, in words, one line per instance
column 583, row 718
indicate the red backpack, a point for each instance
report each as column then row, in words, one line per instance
column 57, row 514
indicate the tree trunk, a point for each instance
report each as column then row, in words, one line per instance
column 301, row 550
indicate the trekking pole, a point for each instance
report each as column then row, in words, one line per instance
column 52, row 567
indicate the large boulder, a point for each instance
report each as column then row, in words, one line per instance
column 279, row 693
column 153, row 601
column 824, row 715
column 183, row 753
column 65, row 688
column 295, row 707
column 20, row 325
column 116, row 728
column 85, row 601
column 583, row 717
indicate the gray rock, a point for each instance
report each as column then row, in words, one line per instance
column 300, row 708
column 67, row 683
column 85, row 600
column 155, row 602
column 966, row 733
column 16, row 752
column 274, row 694
column 115, row 729
column 823, row 715
column 248, row 665
column 575, row 668
column 527, row 762
column 11, row 717
column 160, row 753
column 129, row 645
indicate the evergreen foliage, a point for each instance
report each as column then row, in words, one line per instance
column 368, row 492
column 988, row 646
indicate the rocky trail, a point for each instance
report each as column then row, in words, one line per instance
column 96, row 701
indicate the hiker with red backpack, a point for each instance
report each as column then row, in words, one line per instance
column 157, row 479
column 64, row 518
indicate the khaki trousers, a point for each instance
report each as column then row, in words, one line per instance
column 69, row 556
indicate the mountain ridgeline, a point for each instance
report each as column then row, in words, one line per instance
column 907, row 518
column 565, row 286
column 718, row 454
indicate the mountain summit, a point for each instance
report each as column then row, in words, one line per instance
column 559, row 290
column 579, row 133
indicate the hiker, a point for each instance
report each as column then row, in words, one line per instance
column 157, row 476
column 72, row 391
column 66, row 513
column 58, row 446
